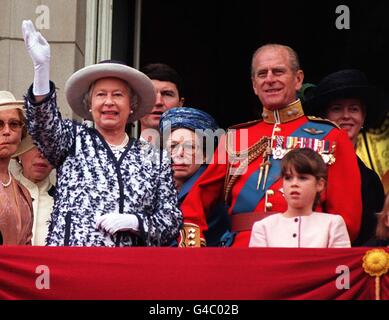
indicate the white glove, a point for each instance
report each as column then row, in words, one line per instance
column 114, row 222
column 39, row 50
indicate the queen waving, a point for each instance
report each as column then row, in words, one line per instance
column 112, row 190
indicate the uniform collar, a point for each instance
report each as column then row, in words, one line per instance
column 291, row 112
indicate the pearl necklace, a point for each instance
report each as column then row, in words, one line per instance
column 7, row 184
column 120, row 146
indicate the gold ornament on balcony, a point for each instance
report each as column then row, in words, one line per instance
column 376, row 264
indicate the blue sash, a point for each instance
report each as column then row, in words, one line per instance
column 189, row 183
column 218, row 220
column 249, row 196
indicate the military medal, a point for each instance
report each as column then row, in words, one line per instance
column 278, row 151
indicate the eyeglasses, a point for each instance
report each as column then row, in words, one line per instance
column 188, row 148
column 14, row 125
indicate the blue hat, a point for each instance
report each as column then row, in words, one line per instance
column 188, row 118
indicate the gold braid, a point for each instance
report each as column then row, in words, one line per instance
column 253, row 152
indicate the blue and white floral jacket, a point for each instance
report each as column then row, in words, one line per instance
column 92, row 182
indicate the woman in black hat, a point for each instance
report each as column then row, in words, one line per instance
column 346, row 98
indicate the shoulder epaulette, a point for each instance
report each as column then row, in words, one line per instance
column 322, row 120
column 244, row 125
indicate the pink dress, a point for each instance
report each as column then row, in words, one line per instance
column 318, row 230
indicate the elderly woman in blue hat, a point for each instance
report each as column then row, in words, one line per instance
column 346, row 98
column 112, row 190
column 190, row 136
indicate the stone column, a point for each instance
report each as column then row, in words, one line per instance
column 62, row 23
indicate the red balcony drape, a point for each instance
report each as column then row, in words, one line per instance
column 183, row 274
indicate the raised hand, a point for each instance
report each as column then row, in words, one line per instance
column 39, row 50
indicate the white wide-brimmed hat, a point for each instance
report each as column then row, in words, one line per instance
column 8, row 101
column 79, row 83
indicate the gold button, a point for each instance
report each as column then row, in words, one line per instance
column 270, row 192
column 192, row 230
column 269, row 206
column 191, row 236
column 192, row 243
column 277, row 129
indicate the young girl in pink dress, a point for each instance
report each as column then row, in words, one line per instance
column 304, row 176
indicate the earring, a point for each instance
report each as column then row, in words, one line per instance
column 90, row 110
column 131, row 111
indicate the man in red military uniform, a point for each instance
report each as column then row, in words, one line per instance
column 246, row 166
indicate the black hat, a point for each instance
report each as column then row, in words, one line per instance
column 343, row 84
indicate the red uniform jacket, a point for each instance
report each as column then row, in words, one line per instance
column 342, row 195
